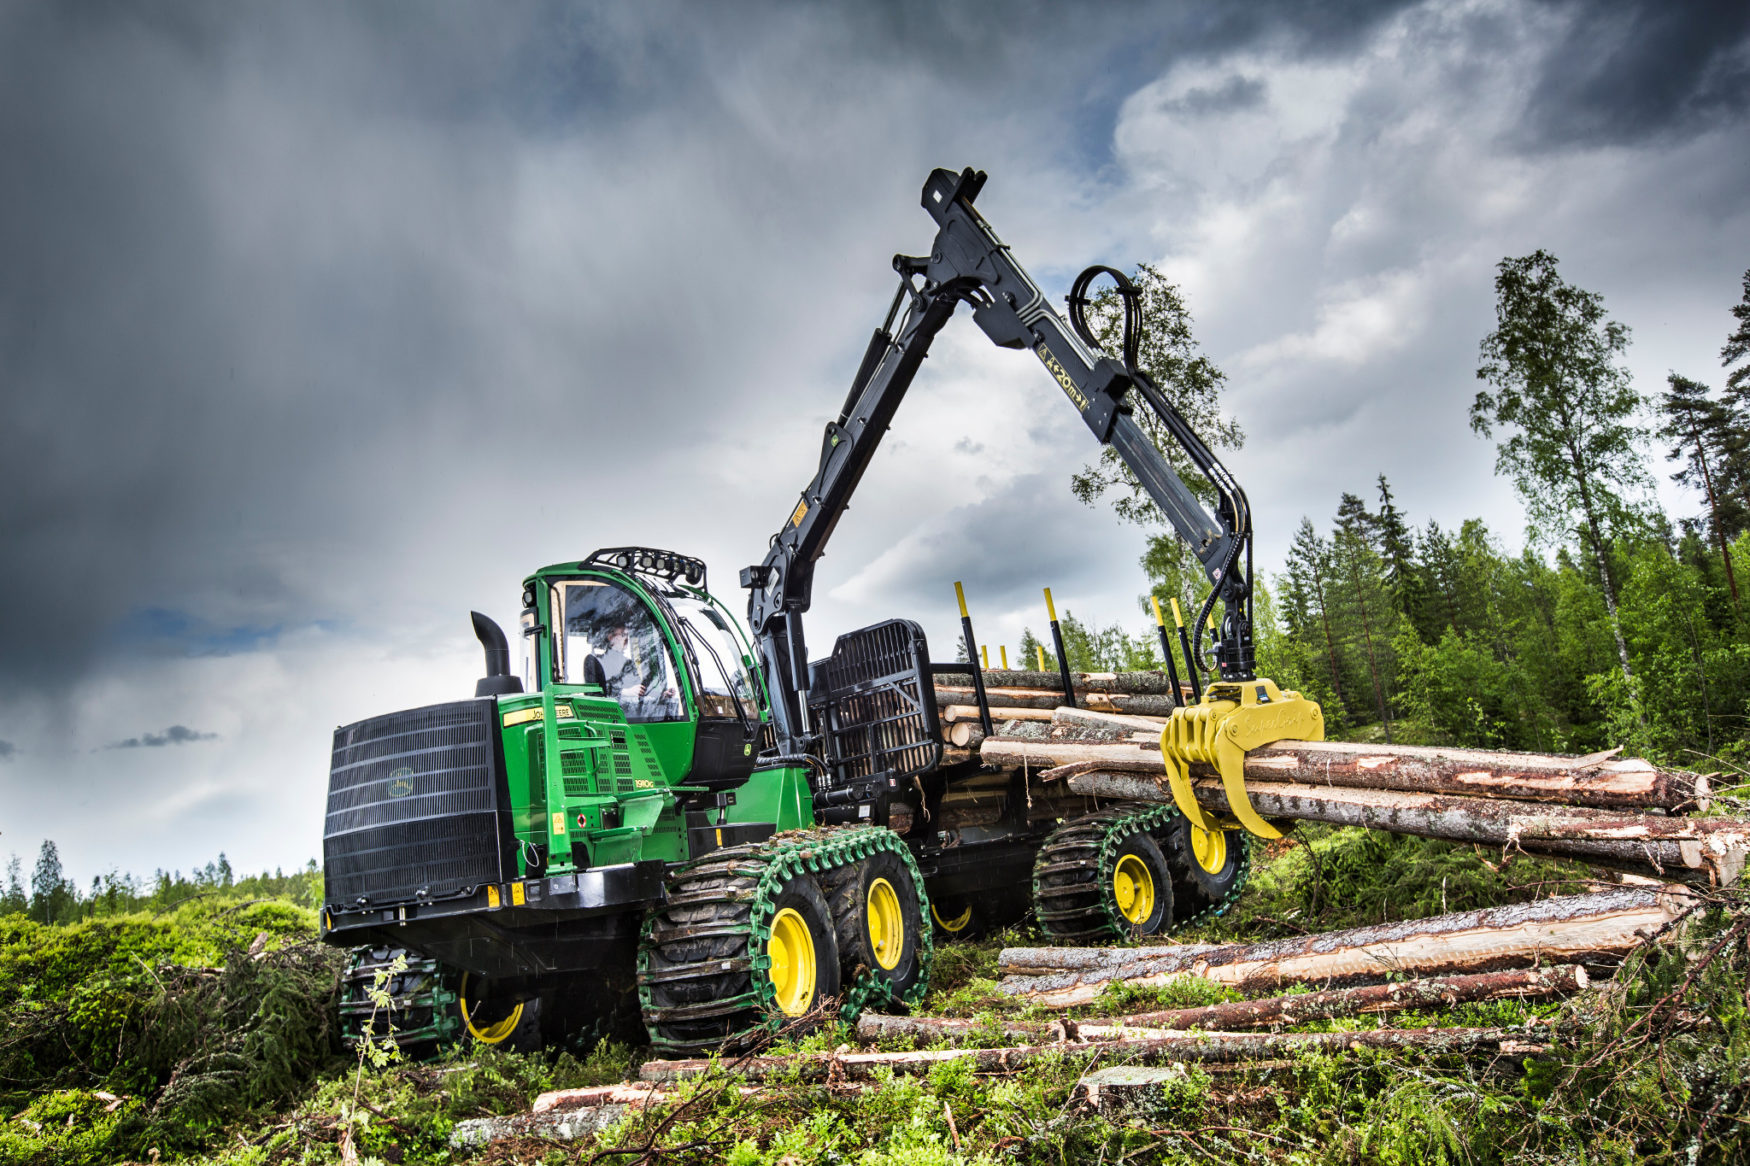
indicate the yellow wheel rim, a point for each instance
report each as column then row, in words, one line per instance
column 886, row 924
column 1209, row 848
column 791, row 948
column 492, row 1034
column 1134, row 889
column 956, row 924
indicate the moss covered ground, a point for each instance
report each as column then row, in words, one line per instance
column 207, row 1035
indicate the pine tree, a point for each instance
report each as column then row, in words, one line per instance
column 1573, row 449
column 1737, row 349
column 1732, row 474
column 1694, row 425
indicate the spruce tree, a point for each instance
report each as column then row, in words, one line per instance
column 1397, row 549
column 1309, row 569
column 1358, row 567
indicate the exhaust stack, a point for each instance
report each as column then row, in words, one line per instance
column 498, row 679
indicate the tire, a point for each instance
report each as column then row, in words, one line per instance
column 956, row 919
column 878, row 918
column 699, row 956
column 801, row 942
column 511, row 1023
column 1139, row 885
column 1101, row 877
column 1197, row 888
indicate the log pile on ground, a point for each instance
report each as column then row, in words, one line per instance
column 1593, row 929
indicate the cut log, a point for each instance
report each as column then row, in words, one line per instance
column 963, row 734
column 1599, row 781
column 1089, row 718
column 1373, row 999
column 1139, row 703
column 1569, row 929
column 1200, row 1046
column 1152, row 683
column 1691, row 849
column 954, row 713
column 1023, row 698
column 1130, row 756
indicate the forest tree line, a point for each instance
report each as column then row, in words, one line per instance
column 1617, row 624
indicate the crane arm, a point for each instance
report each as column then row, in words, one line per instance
column 969, row 264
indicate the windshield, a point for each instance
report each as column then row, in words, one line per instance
column 725, row 687
column 610, row 639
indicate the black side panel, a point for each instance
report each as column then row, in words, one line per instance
column 876, row 703
column 417, row 806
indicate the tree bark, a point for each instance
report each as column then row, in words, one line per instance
column 1155, row 683
column 1201, row 1046
column 1570, row 929
column 1711, row 850
column 1089, row 718
column 1601, row 780
column 1373, row 999
column 1133, row 703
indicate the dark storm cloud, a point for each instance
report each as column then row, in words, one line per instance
column 174, row 735
column 1626, row 70
column 7, row 749
column 280, row 289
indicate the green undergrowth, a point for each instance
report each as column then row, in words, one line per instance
column 129, row 1036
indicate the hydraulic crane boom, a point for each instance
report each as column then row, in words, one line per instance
column 968, row 263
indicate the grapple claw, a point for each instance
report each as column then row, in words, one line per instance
column 1233, row 718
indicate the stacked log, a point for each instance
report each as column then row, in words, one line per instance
column 1623, row 813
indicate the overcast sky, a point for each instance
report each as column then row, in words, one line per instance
column 321, row 325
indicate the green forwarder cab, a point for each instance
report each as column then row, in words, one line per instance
column 523, row 838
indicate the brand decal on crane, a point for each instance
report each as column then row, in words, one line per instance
column 1057, row 370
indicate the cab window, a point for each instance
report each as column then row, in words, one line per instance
column 610, row 639
column 725, row 687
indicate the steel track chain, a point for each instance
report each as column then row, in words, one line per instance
column 752, row 874
column 1096, row 837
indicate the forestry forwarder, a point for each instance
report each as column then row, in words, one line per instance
column 738, row 834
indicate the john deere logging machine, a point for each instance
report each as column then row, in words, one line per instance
column 666, row 807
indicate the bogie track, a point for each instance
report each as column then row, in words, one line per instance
column 1106, row 874
column 716, row 961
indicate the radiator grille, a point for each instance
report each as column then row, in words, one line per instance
column 414, row 801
